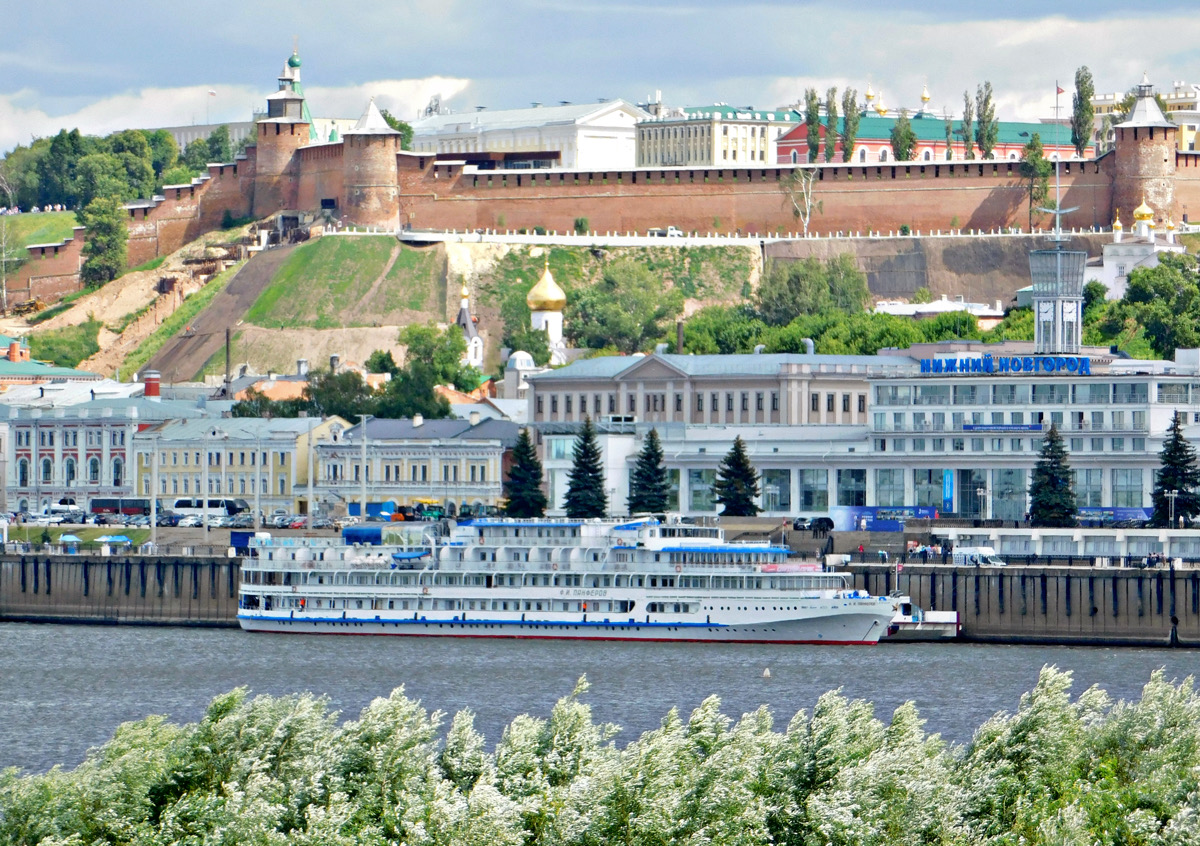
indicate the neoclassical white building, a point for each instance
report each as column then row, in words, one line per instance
column 587, row 136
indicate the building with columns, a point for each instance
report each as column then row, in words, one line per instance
column 955, row 427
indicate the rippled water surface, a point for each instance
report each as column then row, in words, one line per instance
column 63, row 689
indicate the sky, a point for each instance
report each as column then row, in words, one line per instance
column 101, row 66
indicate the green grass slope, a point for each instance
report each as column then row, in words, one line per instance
column 42, row 228
column 68, row 346
column 345, row 281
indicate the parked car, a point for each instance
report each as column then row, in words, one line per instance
column 190, row 521
column 297, row 523
column 801, row 524
column 168, row 518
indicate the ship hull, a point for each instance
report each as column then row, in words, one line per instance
column 840, row 628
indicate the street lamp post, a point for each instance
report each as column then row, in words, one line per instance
column 1170, row 495
column 982, row 493
column 308, row 506
column 363, row 471
column 154, row 495
column 257, row 465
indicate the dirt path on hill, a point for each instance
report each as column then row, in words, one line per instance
column 387, row 268
column 185, row 355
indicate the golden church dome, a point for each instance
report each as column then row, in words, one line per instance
column 925, row 98
column 466, row 293
column 1117, row 220
column 870, row 95
column 1143, row 212
column 546, row 295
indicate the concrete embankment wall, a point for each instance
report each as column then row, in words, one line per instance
column 134, row 590
column 1053, row 604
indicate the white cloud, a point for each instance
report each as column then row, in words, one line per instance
column 153, row 107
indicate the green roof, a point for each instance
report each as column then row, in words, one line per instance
column 9, row 369
column 928, row 127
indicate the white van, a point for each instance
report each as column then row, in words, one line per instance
column 976, row 556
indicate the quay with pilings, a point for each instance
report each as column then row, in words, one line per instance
column 153, row 590
column 1054, row 604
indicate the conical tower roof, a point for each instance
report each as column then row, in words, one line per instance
column 371, row 123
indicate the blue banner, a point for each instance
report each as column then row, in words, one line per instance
column 948, row 490
column 877, row 518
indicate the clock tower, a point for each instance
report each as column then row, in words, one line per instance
column 1057, row 300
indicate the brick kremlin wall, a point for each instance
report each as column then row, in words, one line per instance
column 976, row 195
column 322, row 166
column 51, row 271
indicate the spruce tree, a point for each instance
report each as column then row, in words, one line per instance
column 1177, row 472
column 1051, row 495
column 585, row 483
column 523, row 488
column 737, row 483
column 648, row 483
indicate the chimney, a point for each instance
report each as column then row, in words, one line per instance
column 334, row 360
column 302, row 367
column 14, row 351
column 153, row 389
column 418, row 420
column 679, row 336
column 475, row 418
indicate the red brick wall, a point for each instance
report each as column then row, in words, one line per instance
column 322, row 167
column 50, row 272
column 277, row 175
column 1144, row 168
column 980, row 195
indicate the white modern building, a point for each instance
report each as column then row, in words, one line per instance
column 588, row 136
column 713, row 136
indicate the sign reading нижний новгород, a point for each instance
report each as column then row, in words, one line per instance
column 1077, row 364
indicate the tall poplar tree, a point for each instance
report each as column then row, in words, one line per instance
column 736, row 487
column 903, row 137
column 1177, row 472
column 967, row 131
column 105, row 241
column 649, row 486
column 523, row 487
column 1036, row 169
column 949, row 140
column 1052, row 499
column 812, row 120
column 850, row 118
column 831, row 123
column 585, row 483
column 1082, row 112
column 987, row 128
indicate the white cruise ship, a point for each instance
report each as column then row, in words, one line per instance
column 597, row 580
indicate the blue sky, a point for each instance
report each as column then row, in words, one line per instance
column 104, row 65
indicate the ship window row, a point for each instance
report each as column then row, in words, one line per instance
column 413, row 579
column 1037, row 393
column 425, row 604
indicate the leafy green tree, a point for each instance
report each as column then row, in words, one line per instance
column 195, row 155
column 405, row 129
column 831, row 123
column 903, row 138
column 21, row 168
column 408, row 393
column 343, row 394
column 178, row 176
column 1052, row 499
column 381, row 361
column 628, row 309
column 56, row 169
column 922, row 295
column 850, row 119
column 720, row 329
column 649, row 485
column 736, row 487
column 586, row 497
column 533, row 341
column 105, row 241
column 164, row 151
column 523, row 487
column 1082, row 112
column 949, row 140
column 1095, row 298
column 812, row 120
column 810, row 286
column 1164, row 301
column 220, row 149
column 437, row 355
column 1036, row 170
column 101, row 175
column 967, row 130
column 1177, row 472
column 987, row 129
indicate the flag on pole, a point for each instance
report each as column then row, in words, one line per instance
column 1059, row 90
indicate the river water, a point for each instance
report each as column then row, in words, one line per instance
column 64, row 689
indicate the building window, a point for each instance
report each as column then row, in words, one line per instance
column 758, row 401
column 815, row 403
column 23, row 473
column 814, row 490
column 612, row 403
column 94, row 471
column 554, row 403
column 745, row 401
column 928, row 487
column 700, row 402
column 118, row 472
column 852, row 487
column 631, row 403
column 889, row 486
column 1127, row 488
column 774, row 400
column 583, row 404
column 1089, row 488
column 777, row 490
column 729, row 402
column 862, row 403
column 567, row 401
column 700, row 490
column 69, row 467
column 679, row 403
column 538, row 403
column 716, row 402
column 845, row 403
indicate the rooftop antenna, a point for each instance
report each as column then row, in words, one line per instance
column 1058, row 211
